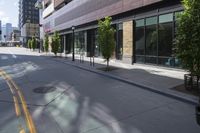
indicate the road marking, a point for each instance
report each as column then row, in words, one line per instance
column 21, row 130
column 16, row 91
column 28, row 117
column 13, row 55
column 7, row 81
column 17, row 108
column 12, row 91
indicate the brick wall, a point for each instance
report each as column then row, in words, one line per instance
column 127, row 41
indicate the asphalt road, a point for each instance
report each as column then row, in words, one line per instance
column 38, row 94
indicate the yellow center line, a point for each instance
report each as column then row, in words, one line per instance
column 6, row 78
column 21, row 130
column 14, row 88
column 11, row 89
column 17, row 108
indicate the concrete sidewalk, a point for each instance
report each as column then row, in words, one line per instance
column 153, row 78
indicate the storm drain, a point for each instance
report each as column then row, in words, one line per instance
column 44, row 89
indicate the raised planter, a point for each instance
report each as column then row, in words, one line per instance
column 191, row 82
column 198, row 114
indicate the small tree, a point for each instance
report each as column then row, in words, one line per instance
column 106, row 38
column 29, row 43
column 33, row 44
column 46, row 43
column 55, row 43
column 188, row 37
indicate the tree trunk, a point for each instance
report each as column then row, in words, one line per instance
column 198, row 87
column 107, row 64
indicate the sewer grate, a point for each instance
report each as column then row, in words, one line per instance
column 44, row 89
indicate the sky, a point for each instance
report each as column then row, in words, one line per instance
column 9, row 12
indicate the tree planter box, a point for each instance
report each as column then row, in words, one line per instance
column 198, row 114
column 191, row 82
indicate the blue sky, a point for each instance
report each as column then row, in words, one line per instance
column 9, row 11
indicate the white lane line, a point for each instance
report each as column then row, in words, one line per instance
column 13, row 55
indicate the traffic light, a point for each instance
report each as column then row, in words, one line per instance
column 0, row 32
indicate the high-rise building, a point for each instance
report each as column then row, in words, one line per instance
column 145, row 29
column 7, row 30
column 28, row 19
column 39, row 6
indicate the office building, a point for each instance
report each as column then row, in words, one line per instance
column 7, row 30
column 28, row 19
column 145, row 29
column 16, row 34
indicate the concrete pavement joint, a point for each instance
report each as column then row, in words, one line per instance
column 59, row 95
column 174, row 96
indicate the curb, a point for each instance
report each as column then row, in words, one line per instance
column 170, row 95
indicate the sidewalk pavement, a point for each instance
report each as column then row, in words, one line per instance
column 157, row 79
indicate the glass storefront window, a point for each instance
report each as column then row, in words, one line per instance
column 165, row 39
column 140, row 38
column 97, row 47
column 151, row 59
column 151, row 40
column 151, row 35
column 166, row 61
column 166, row 18
column 140, row 23
column 68, row 45
column 140, row 58
column 80, row 45
column 151, row 21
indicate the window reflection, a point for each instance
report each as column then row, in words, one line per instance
column 154, row 38
column 151, row 40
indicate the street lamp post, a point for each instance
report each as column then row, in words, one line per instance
column 39, row 6
column 73, row 28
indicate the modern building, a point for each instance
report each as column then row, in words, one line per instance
column 39, row 6
column 28, row 19
column 16, row 34
column 3, row 31
column 145, row 29
column 7, row 30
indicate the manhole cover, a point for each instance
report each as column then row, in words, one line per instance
column 44, row 90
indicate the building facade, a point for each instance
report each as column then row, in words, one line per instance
column 16, row 34
column 6, row 31
column 28, row 19
column 145, row 29
column 9, row 30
